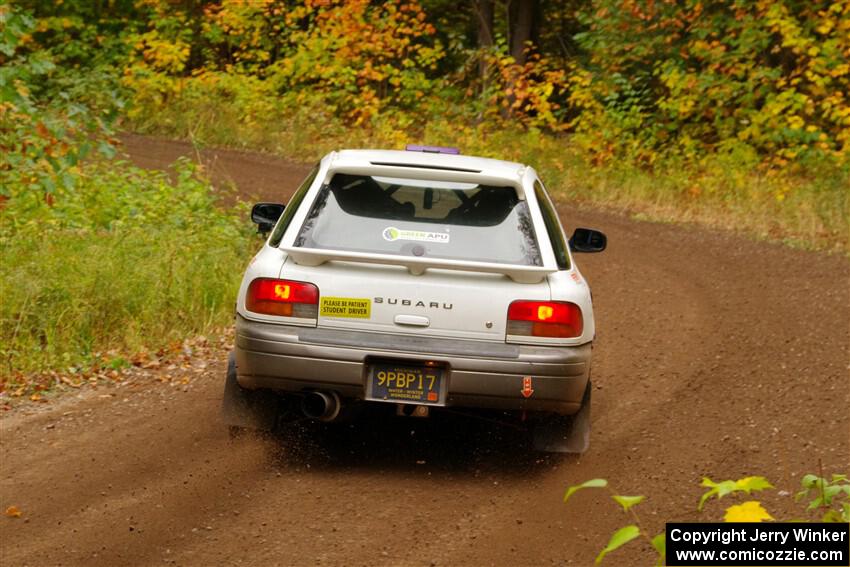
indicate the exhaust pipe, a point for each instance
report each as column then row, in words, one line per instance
column 323, row 406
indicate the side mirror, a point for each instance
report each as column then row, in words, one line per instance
column 265, row 215
column 588, row 240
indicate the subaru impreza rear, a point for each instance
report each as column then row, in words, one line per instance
column 421, row 279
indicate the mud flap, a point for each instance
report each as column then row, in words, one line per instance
column 565, row 434
column 246, row 409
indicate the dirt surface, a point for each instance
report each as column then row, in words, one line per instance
column 716, row 356
column 255, row 176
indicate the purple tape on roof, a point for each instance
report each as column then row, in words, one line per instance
column 431, row 149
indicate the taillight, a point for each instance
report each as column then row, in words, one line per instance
column 283, row 298
column 552, row 319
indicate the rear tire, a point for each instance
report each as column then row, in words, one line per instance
column 243, row 409
column 565, row 433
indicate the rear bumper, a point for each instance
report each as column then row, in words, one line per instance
column 480, row 374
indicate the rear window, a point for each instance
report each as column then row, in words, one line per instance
column 458, row 221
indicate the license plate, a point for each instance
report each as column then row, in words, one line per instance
column 406, row 383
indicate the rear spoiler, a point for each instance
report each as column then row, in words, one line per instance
column 417, row 265
column 430, row 173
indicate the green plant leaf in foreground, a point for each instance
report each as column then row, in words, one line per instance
column 747, row 484
column 620, row 538
column 593, row 483
column 659, row 542
column 627, row 501
column 808, row 482
column 825, row 492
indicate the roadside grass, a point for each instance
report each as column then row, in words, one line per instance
column 126, row 262
column 806, row 207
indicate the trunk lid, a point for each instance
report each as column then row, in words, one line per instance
column 390, row 299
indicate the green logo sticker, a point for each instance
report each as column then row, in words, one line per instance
column 392, row 233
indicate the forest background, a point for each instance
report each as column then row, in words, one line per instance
column 733, row 114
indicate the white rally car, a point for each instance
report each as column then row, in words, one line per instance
column 423, row 279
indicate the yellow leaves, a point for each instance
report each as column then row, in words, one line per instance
column 580, row 78
column 825, row 26
column 685, row 106
column 13, row 512
column 747, row 485
column 839, row 70
column 162, row 53
column 740, row 77
column 750, row 511
column 795, row 122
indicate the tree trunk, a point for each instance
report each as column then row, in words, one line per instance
column 524, row 28
column 484, row 12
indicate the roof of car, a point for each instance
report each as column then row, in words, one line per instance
column 429, row 160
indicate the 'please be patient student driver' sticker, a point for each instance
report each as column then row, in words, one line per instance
column 392, row 233
column 349, row 307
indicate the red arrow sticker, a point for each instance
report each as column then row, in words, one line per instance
column 527, row 390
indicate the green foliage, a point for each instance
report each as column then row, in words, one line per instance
column 44, row 130
column 627, row 533
column 356, row 58
column 126, row 260
column 831, row 496
column 627, row 501
column 529, row 94
column 95, row 255
column 720, row 489
column 659, row 544
column 593, row 483
column 697, row 77
column 619, row 538
column 765, row 82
